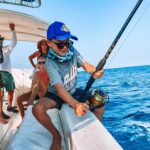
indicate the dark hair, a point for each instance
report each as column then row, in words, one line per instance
column 39, row 46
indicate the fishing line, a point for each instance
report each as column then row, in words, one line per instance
column 102, row 62
column 125, row 39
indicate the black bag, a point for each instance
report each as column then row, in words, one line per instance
column 1, row 51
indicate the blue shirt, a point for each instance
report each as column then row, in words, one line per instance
column 64, row 73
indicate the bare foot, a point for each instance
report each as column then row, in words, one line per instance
column 3, row 121
column 56, row 145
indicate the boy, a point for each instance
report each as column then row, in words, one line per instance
column 62, row 63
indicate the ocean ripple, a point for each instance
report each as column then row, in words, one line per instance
column 127, row 116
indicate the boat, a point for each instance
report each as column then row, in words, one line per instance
column 78, row 133
column 26, row 3
column 31, row 134
column 30, row 28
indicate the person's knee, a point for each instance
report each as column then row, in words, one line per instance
column 99, row 113
column 99, row 110
column 38, row 109
column 35, row 87
column 11, row 92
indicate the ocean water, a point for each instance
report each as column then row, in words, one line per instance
column 127, row 116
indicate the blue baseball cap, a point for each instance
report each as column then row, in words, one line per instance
column 59, row 31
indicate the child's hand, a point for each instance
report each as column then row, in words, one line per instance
column 81, row 109
column 98, row 74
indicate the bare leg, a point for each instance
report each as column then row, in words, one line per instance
column 10, row 97
column 2, row 120
column 39, row 111
column 22, row 98
column 35, row 90
column 1, row 101
column 99, row 113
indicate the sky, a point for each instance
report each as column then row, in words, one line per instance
column 96, row 23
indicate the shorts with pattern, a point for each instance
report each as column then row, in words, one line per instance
column 6, row 81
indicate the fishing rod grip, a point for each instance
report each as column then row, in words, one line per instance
column 91, row 80
column 101, row 64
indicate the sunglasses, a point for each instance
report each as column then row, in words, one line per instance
column 41, row 62
column 61, row 45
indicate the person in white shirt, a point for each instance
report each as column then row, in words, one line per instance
column 6, row 77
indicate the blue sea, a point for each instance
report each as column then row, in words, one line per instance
column 127, row 116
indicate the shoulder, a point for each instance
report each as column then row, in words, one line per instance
column 35, row 54
column 74, row 50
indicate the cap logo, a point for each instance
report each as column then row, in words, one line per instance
column 64, row 28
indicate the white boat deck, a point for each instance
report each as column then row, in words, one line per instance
column 78, row 133
column 7, row 131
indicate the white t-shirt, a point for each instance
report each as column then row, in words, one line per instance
column 6, row 65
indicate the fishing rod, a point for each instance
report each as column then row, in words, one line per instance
column 104, row 59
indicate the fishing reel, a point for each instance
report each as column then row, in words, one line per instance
column 98, row 99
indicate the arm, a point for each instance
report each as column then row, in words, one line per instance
column 14, row 38
column 34, row 88
column 80, row 108
column 57, row 84
column 87, row 66
column 63, row 94
column 32, row 56
column 33, row 81
column 91, row 69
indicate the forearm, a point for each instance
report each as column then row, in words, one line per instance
column 14, row 40
column 32, row 56
column 88, row 67
column 92, row 70
column 35, row 90
column 32, row 63
column 63, row 94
